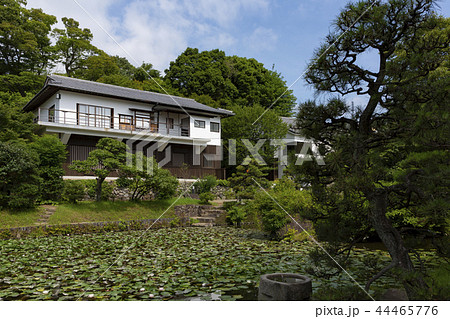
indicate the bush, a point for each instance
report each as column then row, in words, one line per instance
column 205, row 198
column 141, row 182
column 19, row 176
column 73, row 191
column 223, row 183
column 284, row 193
column 248, row 179
column 165, row 185
column 205, row 184
column 52, row 153
column 91, row 188
column 236, row 215
column 52, row 184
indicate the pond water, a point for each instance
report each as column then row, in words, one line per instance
column 164, row 264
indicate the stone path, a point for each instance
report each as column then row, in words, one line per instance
column 49, row 210
column 209, row 217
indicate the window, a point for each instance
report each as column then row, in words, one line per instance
column 170, row 124
column 143, row 120
column 215, row 127
column 125, row 122
column 97, row 116
column 199, row 124
column 51, row 114
column 146, row 121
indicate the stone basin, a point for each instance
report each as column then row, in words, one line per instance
column 284, row 287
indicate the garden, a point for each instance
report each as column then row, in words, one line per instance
column 176, row 262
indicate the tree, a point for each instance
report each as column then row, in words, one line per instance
column 19, row 178
column 73, row 45
column 97, row 66
column 52, row 153
column 241, row 130
column 229, row 80
column 248, row 179
column 14, row 123
column 24, row 38
column 146, row 72
column 108, row 157
column 366, row 145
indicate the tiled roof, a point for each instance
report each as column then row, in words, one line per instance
column 57, row 82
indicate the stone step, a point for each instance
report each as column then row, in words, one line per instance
column 203, row 225
column 214, row 211
column 202, row 219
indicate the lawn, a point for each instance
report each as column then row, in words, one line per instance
column 9, row 219
column 119, row 210
column 94, row 212
column 162, row 264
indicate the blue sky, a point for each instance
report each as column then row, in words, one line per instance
column 283, row 34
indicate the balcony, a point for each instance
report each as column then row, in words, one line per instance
column 104, row 122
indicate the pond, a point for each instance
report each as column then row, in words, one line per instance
column 164, row 264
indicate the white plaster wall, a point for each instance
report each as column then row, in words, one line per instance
column 42, row 112
column 69, row 100
column 197, row 132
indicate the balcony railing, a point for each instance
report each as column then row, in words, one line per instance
column 109, row 122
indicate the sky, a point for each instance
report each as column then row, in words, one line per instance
column 280, row 34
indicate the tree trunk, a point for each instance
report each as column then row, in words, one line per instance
column 98, row 189
column 393, row 241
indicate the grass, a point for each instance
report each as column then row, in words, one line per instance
column 10, row 219
column 119, row 210
column 94, row 212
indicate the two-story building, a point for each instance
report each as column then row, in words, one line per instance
column 182, row 134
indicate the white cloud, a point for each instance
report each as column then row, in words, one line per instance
column 262, row 39
column 157, row 31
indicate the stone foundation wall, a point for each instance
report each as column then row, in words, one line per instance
column 184, row 187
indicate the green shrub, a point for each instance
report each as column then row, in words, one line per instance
column 107, row 189
column 205, row 184
column 175, row 222
column 140, row 182
column 438, row 279
column 165, row 185
column 223, row 183
column 73, row 191
column 52, row 153
column 293, row 202
column 236, row 215
column 205, row 198
column 292, row 235
column 19, row 176
column 248, row 180
column 228, row 205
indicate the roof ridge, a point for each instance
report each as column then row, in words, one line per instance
column 122, row 87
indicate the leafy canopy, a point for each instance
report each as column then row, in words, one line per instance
column 228, row 81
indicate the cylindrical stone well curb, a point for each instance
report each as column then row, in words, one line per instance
column 284, row 287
